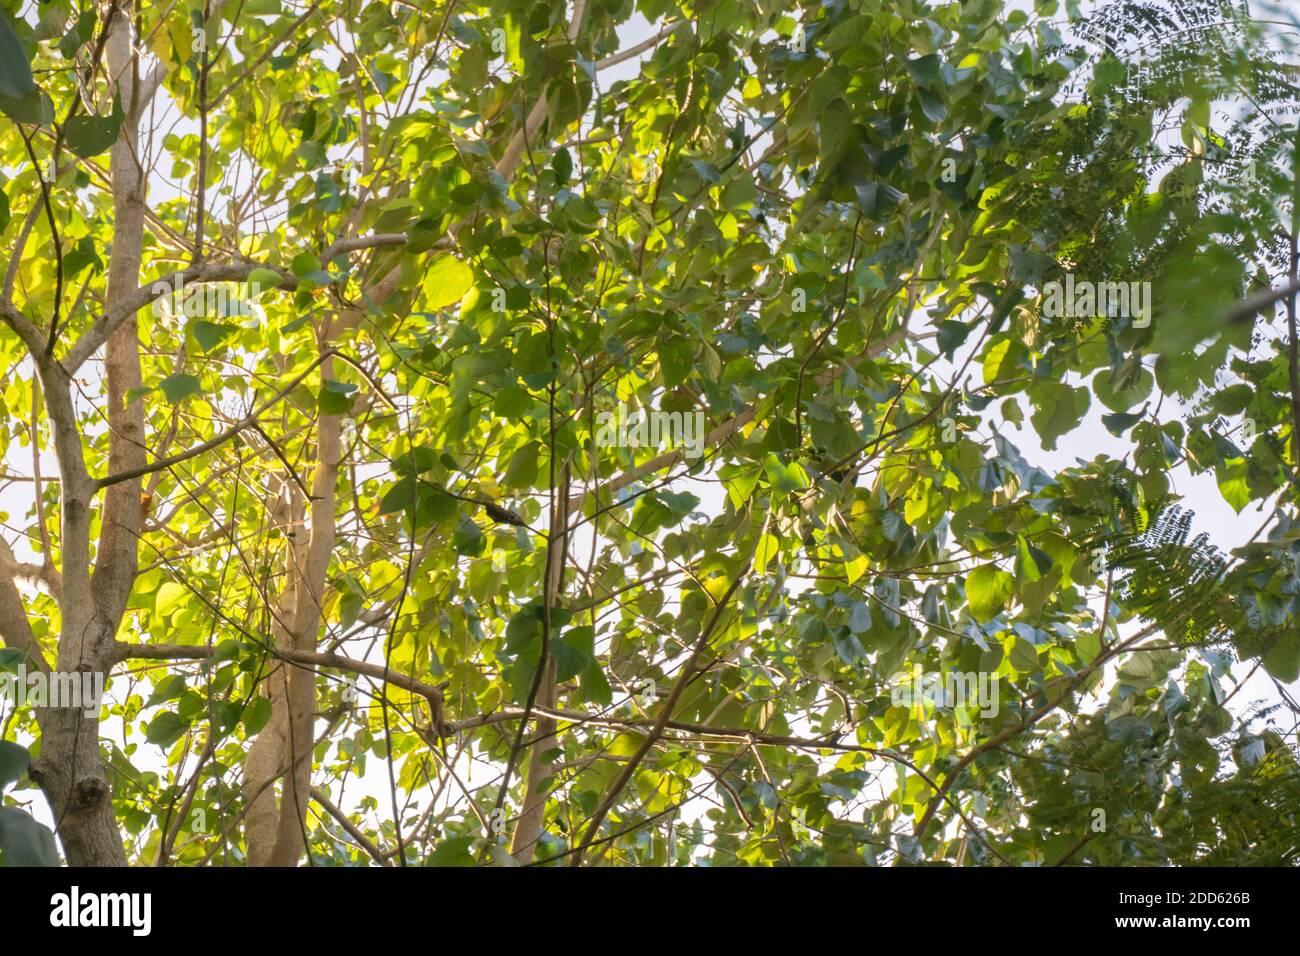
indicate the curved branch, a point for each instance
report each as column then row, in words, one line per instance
column 352, row 829
column 247, row 421
column 123, row 651
column 129, row 304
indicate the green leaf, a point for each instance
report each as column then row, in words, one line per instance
column 769, row 546
column 15, row 70
column 35, row 108
column 256, row 715
column 562, row 166
column 925, row 69
column 419, row 459
column 1282, row 660
column 452, row 851
column 1031, row 562
column 951, row 335
column 594, row 687
column 307, row 266
column 860, row 617
column 89, row 136
column 1002, row 359
column 501, row 856
column 261, row 279
column 1024, row 656
column 82, row 255
column 988, row 589
column 24, row 841
column 399, row 497
column 573, row 653
column 934, row 108
column 524, row 628
column 13, row 762
column 1118, row 423
column 446, row 282
column 20, row 99
column 679, row 502
column 335, row 397
column 1232, row 475
column 468, row 538
column 1058, row 409
column 521, row 472
column 165, row 729
column 1136, row 388
column 785, row 478
column 169, row 688
column 179, row 387
column 225, row 714
column 676, row 359
column 79, row 35
column 740, row 482
column 170, row 596
column 209, row 335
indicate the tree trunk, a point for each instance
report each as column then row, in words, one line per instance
column 70, row 772
column 70, row 769
column 528, row 828
column 274, row 833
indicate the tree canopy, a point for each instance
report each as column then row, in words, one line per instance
column 525, row 433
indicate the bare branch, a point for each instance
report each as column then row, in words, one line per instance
column 633, row 51
column 327, row 659
column 352, row 829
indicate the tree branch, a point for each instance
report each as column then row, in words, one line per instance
column 352, row 829
column 623, row 55
column 717, row 436
column 1244, row 310
column 247, row 421
column 15, row 628
column 182, row 652
column 661, row 722
column 129, row 303
column 525, row 135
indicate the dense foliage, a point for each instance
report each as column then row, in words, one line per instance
column 321, row 321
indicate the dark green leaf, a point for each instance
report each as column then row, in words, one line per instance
column 13, row 762
column 24, row 841
column 179, row 387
